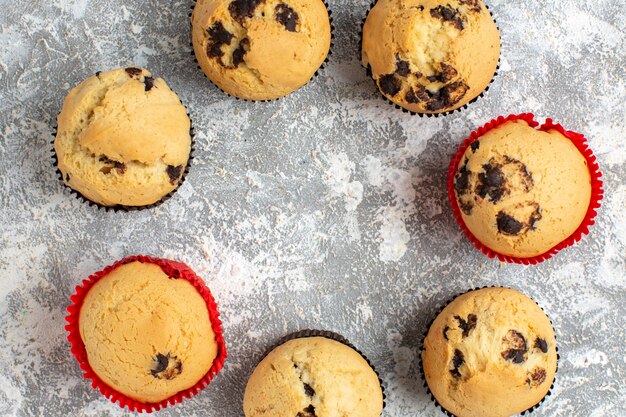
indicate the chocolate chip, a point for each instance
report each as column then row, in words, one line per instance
column 111, row 165
column 243, row 9
column 508, row 225
column 402, row 67
column 286, row 16
column 536, row 377
column 457, row 361
column 515, row 340
column 475, row 145
column 417, row 94
column 161, row 363
column 240, row 52
column 453, row 93
column 541, row 344
column 474, row 4
column 174, row 172
column 132, row 72
column 461, row 182
column 516, row 347
column 98, row 74
column 520, row 170
column 515, row 356
column 389, row 84
column 467, row 325
column 67, row 177
column 448, row 15
column 491, row 182
column 308, row 390
column 534, row 217
column 437, row 101
column 445, row 332
column 307, row 412
column 166, row 366
column 148, row 83
column 218, row 36
column 448, row 72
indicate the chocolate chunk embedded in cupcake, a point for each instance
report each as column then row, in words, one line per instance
column 313, row 376
column 123, row 139
column 431, row 56
column 490, row 353
column 147, row 332
column 520, row 191
column 260, row 49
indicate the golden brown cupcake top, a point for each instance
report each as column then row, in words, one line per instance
column 313, row 377
column 260, row 49
column 490, row 353
column 123, row 138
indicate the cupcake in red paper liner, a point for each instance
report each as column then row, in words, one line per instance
column 147, row 332
column 520, row 193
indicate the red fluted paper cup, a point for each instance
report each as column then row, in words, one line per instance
column 579, row 141
column 172, row 269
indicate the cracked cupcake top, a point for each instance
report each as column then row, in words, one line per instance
column 147, row 335
column 490, row 353
column 313, row 377
column 123, row 138
column 260, row 49
column 431, row 56
column 522, row 191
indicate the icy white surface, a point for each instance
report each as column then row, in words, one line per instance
column 326, row 209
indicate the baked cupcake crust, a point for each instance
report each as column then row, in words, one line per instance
column 313, row 376
column 147, row 336
column 123, row 138
column 490, row 353
column 431, row 56
column 522, row 191
column 260, row 49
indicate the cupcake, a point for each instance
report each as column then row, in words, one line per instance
column 522, row 192
column 147, row 332
column 431, row 56
column 490, row 353
column 260, row 49
column 310, row 376
column 123, row 139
